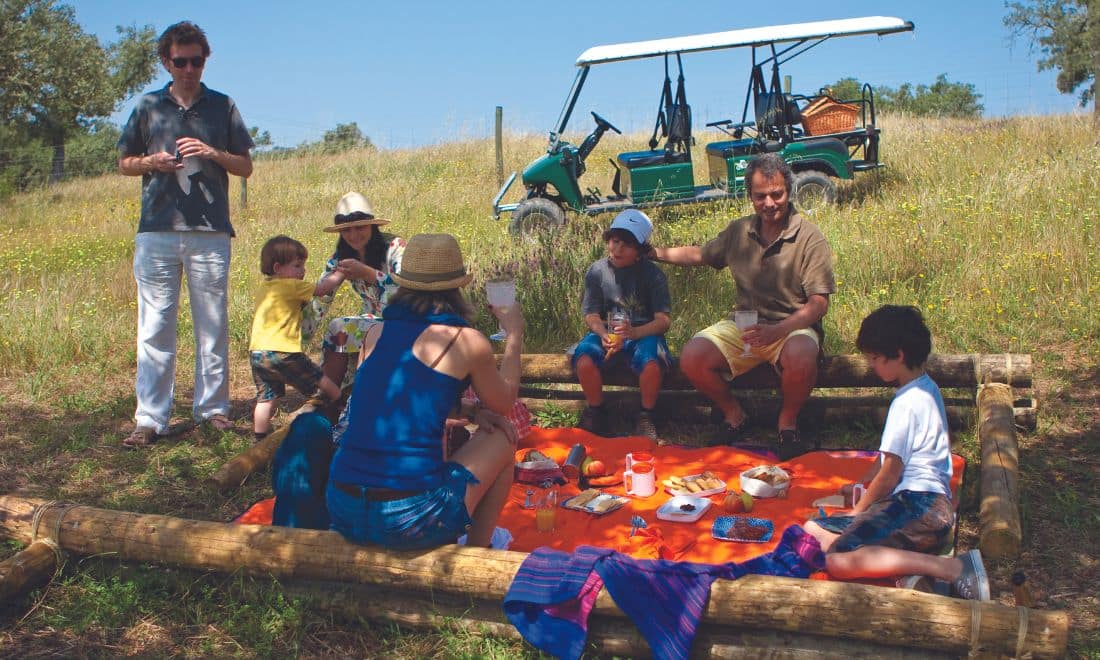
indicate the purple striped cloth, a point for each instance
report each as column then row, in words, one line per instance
column 553, row 592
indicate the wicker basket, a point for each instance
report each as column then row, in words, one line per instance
column 825, row 116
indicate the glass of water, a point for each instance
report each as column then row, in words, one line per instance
column 502, row 294
column 745, row 319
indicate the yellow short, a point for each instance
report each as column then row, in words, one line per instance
column 725, row 335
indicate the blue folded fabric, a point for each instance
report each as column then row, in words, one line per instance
column 664, row 599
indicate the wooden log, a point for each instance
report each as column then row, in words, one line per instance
column 1001, row 532
column 29, row 568
column 967, row 371
column 690, row 406
column 893, row 617
column 608, row 635
column 255, row 458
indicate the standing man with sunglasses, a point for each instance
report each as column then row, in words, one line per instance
column 184, row 141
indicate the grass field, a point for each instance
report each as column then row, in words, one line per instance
column 991, row 227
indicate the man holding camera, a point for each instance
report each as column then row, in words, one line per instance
column 184, row 141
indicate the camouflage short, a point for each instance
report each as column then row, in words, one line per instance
column 272, row 371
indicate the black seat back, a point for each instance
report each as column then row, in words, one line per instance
column 679, row 118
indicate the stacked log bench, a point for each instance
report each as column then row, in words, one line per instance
column 544, row 375
column 462, row 588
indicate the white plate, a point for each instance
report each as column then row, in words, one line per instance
column 672, row 512
column 702, row 493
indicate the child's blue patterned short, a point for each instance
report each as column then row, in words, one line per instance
column 907, row 520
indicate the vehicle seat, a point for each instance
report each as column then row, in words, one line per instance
column 633, row 159
column 730, row 148
column 767, row 111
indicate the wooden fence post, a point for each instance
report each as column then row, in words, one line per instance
column 500, row 145
column 244, row 193
column 1001, row 533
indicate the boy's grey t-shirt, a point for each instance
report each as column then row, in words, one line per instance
column 641, row 289
column 195, row 198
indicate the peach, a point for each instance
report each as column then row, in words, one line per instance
column 595, row 468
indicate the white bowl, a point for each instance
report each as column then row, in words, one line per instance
column 759, row 488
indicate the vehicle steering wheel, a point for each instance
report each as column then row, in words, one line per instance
column 600, row 121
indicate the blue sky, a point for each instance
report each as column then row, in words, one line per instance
column 416, row 73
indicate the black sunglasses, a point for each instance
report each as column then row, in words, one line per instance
column 196, row 62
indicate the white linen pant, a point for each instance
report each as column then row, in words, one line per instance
column 160, row 260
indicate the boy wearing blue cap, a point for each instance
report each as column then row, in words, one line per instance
column 627, row 308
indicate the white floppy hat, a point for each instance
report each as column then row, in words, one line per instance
column 635, row 222
column 354, row 210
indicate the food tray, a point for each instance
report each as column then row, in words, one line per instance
column 703, row 493
column 765, row 481
column 673, row 512
column 725, row 529
column 607, row 502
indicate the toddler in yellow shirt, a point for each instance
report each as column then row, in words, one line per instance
column 276, row 346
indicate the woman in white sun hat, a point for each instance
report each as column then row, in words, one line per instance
column 368, row 258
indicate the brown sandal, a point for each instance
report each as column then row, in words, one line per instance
column 141, row 436
column 219, row 422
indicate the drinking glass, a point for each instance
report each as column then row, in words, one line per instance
column 745, row 319
column 616, row 319
column 545, row 512
column 501, row 293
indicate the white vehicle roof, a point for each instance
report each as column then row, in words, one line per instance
column 748, row 37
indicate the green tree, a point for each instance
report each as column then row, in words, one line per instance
column 844, row 89
column 942, row 98
column 55, row 79
column 260, row 138
column 1068, row 34
column 344, row 137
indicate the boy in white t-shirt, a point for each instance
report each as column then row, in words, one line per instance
column 906, row 510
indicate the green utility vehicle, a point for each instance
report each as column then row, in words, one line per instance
column 842, row 139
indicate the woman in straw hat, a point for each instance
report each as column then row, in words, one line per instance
column 390, row 482
column 367, row 258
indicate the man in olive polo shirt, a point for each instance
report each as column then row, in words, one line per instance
column 782, row 266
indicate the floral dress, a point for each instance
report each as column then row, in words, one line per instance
column 345, row 334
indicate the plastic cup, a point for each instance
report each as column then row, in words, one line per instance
column 745, row 319
column 639, row 457
column 640, row 480
column 500, row 293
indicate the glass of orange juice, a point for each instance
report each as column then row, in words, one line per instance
column 546, row 510
column 616, row 320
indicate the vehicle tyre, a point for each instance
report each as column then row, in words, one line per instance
column 536, row 214
column 812, row 191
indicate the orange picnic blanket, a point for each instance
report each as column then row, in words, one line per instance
column 813, row 475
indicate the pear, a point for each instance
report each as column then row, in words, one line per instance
column 746, row 502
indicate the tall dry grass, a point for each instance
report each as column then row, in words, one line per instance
column 990, row 227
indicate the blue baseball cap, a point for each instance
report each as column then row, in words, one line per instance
column 635, row 222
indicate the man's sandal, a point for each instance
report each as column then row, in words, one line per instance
column 219, row 422
column 141, row 436
column 728, row 434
